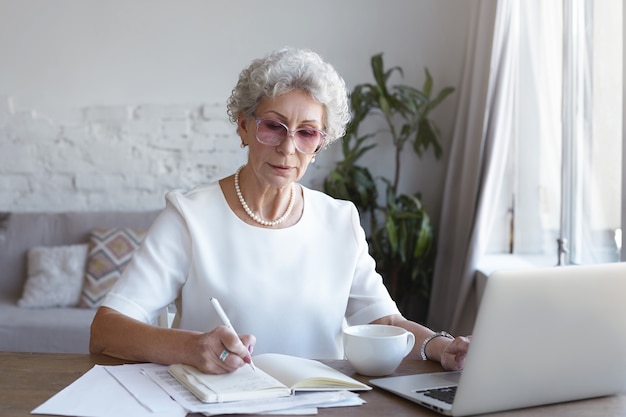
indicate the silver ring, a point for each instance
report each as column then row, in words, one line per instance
column 224, row 355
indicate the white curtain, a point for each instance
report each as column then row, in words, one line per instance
column 483, row 128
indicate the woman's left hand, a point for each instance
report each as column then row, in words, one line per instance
column 453, row 355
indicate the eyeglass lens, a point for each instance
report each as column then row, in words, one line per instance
column 272, row 132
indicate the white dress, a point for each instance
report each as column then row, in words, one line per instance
column 293, row 288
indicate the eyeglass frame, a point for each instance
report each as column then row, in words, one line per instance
column 259, row 120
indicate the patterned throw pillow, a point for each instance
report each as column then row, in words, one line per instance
column 110, row 250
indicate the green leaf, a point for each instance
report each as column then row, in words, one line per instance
column 392, row 233
column 384, row 105
column 428, row 83
column 424, row 238
column 440, row 97
column 377, row 69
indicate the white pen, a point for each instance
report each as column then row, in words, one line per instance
column 226, row 321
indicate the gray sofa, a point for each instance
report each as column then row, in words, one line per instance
column 57, row 329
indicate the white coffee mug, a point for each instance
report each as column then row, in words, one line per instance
column 376, row 349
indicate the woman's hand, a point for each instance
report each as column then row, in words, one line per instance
column 117, row 335
column 453, row 355
column 221, row 351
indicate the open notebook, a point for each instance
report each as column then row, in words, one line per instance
column 276, row 375
column 542, row 336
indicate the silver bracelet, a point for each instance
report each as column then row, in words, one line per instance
column 431, row 337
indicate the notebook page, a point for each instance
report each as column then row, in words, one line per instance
column 300, row 373
column 245, row 383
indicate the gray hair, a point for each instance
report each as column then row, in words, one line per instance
column 290, row 69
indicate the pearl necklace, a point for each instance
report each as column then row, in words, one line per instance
column 256, row 217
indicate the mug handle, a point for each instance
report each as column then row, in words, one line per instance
column 410, row 342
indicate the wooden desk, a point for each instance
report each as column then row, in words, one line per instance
column 27, row 380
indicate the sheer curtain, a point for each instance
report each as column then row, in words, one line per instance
column 477, row 161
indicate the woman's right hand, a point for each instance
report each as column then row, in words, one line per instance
column 115, row 334
column 221, row 351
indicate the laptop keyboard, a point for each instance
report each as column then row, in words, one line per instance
column 445, row 394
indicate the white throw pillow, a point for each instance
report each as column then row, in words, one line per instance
column 55, row 276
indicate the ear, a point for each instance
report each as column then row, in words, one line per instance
column 242, row 124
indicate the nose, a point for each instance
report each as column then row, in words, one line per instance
column 288, row 144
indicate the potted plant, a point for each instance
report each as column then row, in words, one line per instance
column 400, row 235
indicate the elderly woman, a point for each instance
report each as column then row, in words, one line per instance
column 289, row 265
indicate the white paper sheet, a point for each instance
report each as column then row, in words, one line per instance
column 98, row 394
column 143, row 388
column 305, row 410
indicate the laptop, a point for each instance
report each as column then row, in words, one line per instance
column 541, row 336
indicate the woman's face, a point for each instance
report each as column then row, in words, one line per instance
column 279, row 166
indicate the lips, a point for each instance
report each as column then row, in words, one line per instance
column 282, row 168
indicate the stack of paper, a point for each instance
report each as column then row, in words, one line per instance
column 151, row 390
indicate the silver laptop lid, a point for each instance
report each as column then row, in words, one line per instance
column 546, row 335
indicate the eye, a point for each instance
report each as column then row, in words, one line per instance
column 273, row 125
column 308, row 133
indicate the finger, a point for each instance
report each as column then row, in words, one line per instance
column 241, row 345
column 230, row 361
column 238, row 347
column 224, row 361
column 249, row 341
column 463, row 343
column 455, row 353
column 460, row 344
column 224, row 355
column 215, row 357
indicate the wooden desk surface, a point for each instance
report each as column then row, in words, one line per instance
column 29, row 379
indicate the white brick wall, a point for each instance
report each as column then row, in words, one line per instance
column 111, row 157
column 117, row 157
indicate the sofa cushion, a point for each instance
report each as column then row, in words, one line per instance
column 110, row 250
column 55, row 276
column 59, row 329
column 19, row 232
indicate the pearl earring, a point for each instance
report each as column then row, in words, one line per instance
column 243, row 145
column 313, row 160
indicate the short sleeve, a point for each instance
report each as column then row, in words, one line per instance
column 158, row 269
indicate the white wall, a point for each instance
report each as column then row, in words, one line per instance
column 106, row 104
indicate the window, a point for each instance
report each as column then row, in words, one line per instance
column 564, row 171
